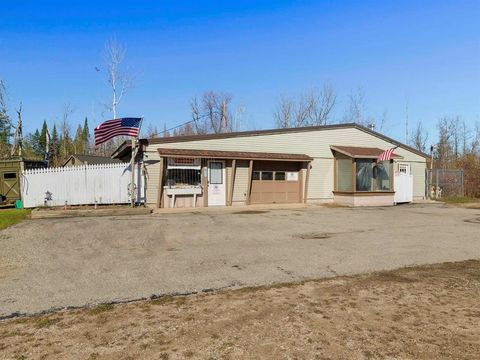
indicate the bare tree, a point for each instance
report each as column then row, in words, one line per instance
column 118, row 78
column 212, row 114
column 320, row 104
column 419, row 138
column 312, row 108
column 284, row 113
column 357, row 108
column 65, row 131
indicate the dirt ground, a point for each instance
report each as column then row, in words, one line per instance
column 428, row 312
column 51, row 264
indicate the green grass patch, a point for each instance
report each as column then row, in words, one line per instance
column 458, row 200
column 100, row 309
column 9, row 217
column 44, row 323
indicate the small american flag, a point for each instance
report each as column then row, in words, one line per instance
column 386, row 155
column 116, row 127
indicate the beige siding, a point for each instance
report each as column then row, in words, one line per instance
column 418, row 172
column 315, row 143
column 241, row 182
column 152, row 166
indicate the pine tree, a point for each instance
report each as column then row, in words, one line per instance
column 42, row 141
column 35, row 143
column 86, row 136
column 78, row 141
column 55, row 146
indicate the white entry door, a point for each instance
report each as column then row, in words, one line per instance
column 216, row 183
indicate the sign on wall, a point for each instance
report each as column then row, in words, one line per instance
column 183, row 163
column 292, row 176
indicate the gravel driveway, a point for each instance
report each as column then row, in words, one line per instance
column 57, row 263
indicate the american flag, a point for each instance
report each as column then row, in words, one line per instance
column 116, row 127
column 386, row 155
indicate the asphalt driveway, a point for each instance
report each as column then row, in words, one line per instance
column 57, row 263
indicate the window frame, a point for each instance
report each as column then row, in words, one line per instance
column 373, row 178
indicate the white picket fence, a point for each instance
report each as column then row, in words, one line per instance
column 80, row 185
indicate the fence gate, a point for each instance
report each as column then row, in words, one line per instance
column 81, row 185
column 445, row 182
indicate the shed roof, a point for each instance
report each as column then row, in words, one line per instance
column 239, row 155
column 361, row 152
column 93, row 159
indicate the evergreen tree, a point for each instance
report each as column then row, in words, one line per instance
column 86, row 136
column 42, row 141
column 35, row 144
column 55, row 146
column 78, row 142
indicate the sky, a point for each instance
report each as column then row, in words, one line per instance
column 420, row 55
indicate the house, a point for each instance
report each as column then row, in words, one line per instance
column 332, row 163
column 10, row 172
column 81, row 159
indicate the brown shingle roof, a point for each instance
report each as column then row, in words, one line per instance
column 361, row 152
column 240, row 155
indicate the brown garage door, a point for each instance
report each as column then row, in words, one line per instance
column 276, row 183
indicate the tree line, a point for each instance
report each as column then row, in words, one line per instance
column 457, row 145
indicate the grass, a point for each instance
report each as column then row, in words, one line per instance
column 100, row 309
column 9, row 217
column 458, row 200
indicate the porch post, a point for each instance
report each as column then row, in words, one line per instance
column 249, row 184
column 232, row 182
column 305, row 190
column 204, row 180
column 160, row 184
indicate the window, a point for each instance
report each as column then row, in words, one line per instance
column 364, row 174
column 280, row 175
column 369, row 176
column 383, row 174
column 9, row 176
column 182, row 177
column 344, row 175
column 267, row 175
column 404, row 169
column 216, row 172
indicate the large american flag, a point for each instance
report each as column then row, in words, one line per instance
column 386, row 155
column 116, row 127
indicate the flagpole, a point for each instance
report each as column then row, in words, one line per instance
column 132, row 164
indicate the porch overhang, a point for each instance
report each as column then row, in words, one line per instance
column 234, row 155
column 357, row 152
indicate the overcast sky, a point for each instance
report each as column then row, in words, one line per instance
column 423, row 52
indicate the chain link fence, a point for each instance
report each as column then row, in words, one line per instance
column 445, row 183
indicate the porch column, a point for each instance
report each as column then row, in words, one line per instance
column 307, row 177
column 160, row 183
column 231, row 183
column 249, row 184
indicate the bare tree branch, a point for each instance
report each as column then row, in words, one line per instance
column 119, row 79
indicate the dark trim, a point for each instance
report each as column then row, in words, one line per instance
column 364, row 193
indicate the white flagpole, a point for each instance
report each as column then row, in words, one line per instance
column 132, row 164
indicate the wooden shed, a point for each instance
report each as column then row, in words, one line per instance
column 10, row 177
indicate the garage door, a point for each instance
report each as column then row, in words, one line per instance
column 275, row 184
